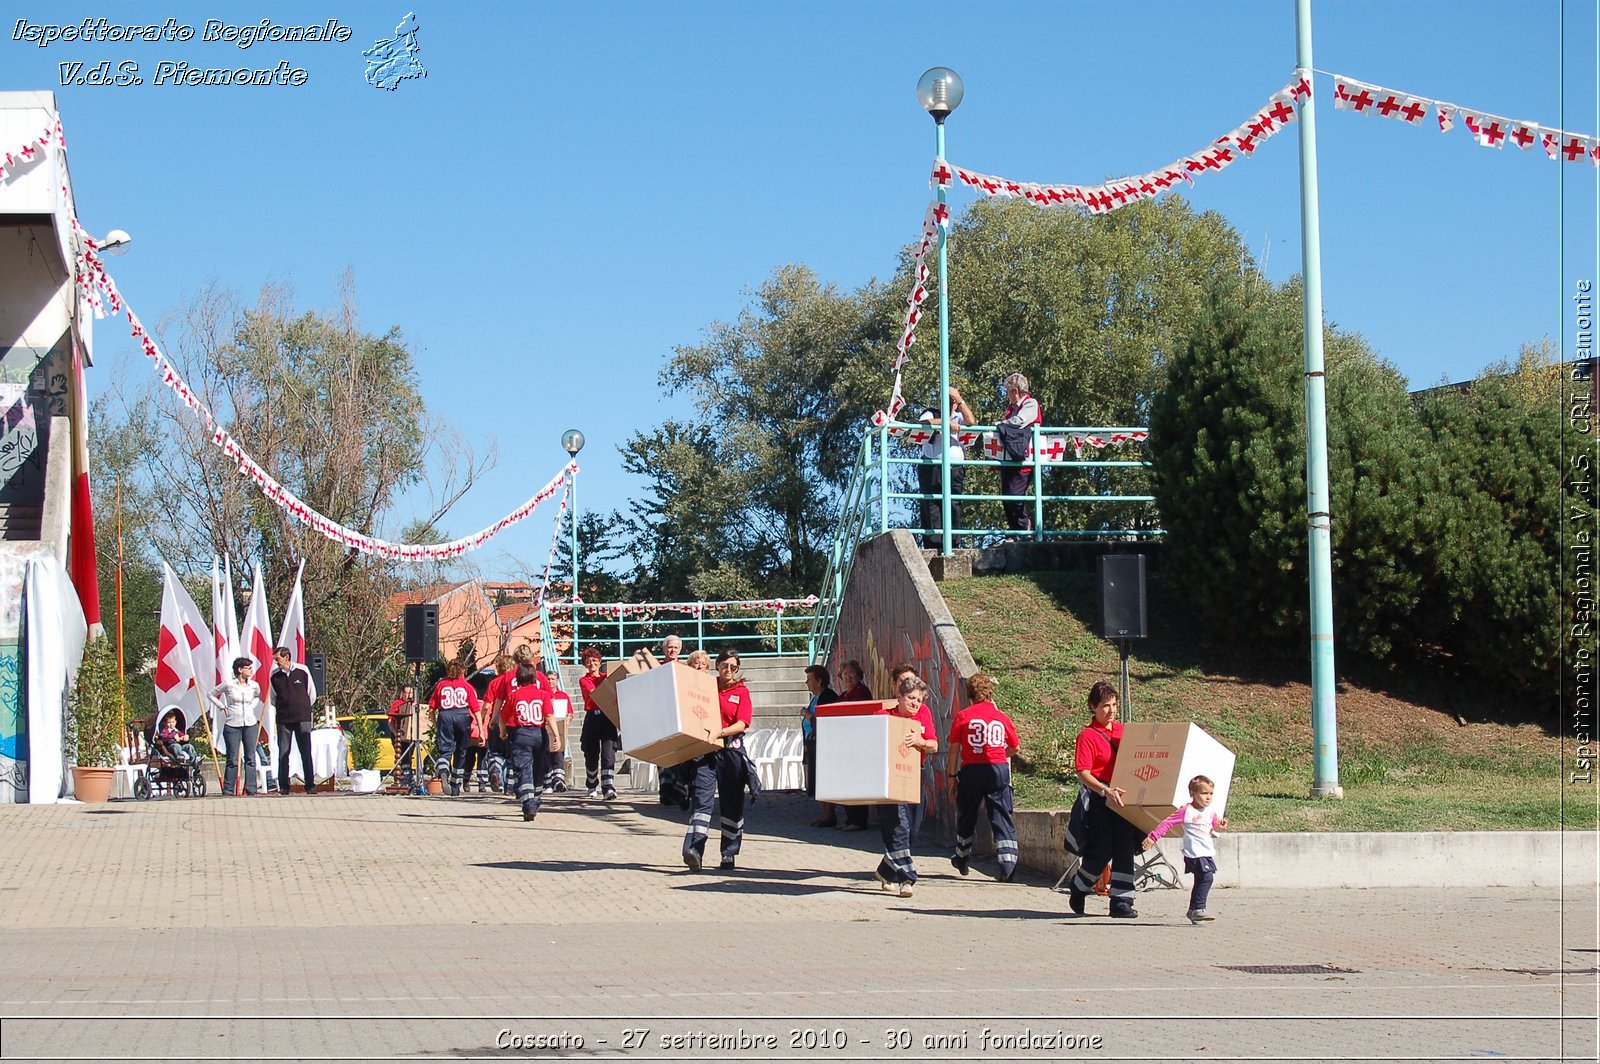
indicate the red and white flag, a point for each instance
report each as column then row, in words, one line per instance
column 182, row 633
column 1524, row 135
column 1488, row 130
column 1447, row 116
column 224, row 648
column 257, row 646
column 293, row 634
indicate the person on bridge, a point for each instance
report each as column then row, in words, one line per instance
column 930, row 473
column 721, row 773
column 982, row 741
column 599, row 737
column 453, row 701
column 1108, row 837
column 899, row 822
column 1022, row 412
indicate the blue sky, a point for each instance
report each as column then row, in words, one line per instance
column 576, row 188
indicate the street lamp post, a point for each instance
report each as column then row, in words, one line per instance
column 940, row 91
column 572, row 443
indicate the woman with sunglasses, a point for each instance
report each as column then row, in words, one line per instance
column 721, row 772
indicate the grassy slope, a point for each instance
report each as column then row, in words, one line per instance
column 1430, row 758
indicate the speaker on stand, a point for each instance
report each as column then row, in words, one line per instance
column 1122, row 610
column 421, row 644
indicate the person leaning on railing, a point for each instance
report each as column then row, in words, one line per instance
column 930, row 472
column 1022, row 414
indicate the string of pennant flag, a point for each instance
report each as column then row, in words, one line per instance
column 1052, row 447
column 1489, row 130
column 100, row 293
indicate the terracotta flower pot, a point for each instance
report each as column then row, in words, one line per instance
column 92, row 785
column 436, row 786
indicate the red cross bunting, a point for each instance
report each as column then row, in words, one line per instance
column 1493, row 134
column 1247, row 143
column 1193, row 165
column 1522, row 136
column 1162, row 181
column 1388, row 105
column 1013, row 188
column 941, row 174
column 1414, row 112
column 1280, row 112
column 1055, row 451
column 1301, row 87
column 967, row 178
column 1147, row 186
column 27, row 152
column 941, row 214
column 1223, row 156
column 1341, row 91
column 993, row 448
column 919, row 436
column 1573, row 149
column 1361, row 100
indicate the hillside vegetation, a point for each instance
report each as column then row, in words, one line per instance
column 1413, row 754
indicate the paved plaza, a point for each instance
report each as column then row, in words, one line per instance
column 338, row 927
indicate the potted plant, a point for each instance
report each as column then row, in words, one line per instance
column 363, row 738
column 430, row 753
column 95, row 722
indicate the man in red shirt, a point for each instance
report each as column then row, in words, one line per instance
column 982, row 740
column 1109, row 838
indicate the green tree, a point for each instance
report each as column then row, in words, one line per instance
column 1499, row 485
column 330, row 411
column 1228, row 447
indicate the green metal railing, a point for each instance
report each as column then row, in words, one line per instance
column 870, row 506
column 870, row 501
column 620, row 628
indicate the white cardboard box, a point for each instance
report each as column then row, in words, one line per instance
column 1155, row 763
column 669, row 714
column 860, row 759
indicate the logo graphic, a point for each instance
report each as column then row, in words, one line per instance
column 393, row 61
column 1146, row 773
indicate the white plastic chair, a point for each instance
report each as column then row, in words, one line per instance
column 642, row 776
column 790, row 753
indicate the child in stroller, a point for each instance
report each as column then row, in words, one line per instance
column 174, row 765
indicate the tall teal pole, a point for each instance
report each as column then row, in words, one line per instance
column 942, row 401
column 1324, row 709
column 573, row 498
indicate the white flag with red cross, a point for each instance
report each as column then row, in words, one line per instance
column 1488, row 130
column 1524, row 135
column 256, row 645
column 1447, row 116
column 182, row 633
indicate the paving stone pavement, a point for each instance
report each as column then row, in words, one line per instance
column 338, row 927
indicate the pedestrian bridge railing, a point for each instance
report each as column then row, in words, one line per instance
column 1087, row 483
column 763, row 628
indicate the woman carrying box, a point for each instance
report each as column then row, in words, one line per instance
column 721, row 772
column 898, row 822
column 1110, row 838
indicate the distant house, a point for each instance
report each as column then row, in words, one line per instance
column 497, row 616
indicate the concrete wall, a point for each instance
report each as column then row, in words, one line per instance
column 894, row 612
column 1307, row 860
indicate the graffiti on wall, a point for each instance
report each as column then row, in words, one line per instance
column 884, row 622
column 33, row 389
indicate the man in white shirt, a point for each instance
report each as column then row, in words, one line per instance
column 929, row 475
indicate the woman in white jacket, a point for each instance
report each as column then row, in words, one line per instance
column 239, row 698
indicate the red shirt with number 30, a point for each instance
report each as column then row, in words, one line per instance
column 983, row 734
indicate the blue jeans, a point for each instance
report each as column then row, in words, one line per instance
column 235, row 739
column 1204, row 870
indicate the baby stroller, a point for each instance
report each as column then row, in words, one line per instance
column 169, row 769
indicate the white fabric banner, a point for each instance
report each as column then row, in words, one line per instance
column 56, row 634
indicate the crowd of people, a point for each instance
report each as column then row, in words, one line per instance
column 512, row 738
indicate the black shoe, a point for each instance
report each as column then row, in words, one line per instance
column 1004, row 876
column 1123, row 912
column 691, row 860
column 455, row 791
column 559, row 787
column 529, row 814
column 608, row 795
column 726, row 865
column 960, row 864
column 1075, row 900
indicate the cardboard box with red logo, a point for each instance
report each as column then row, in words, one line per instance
column 669, row 714
column 1155, row 763
column 605, row 693
column 861, row 759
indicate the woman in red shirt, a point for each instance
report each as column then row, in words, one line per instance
column 599, row 737
column 722, row 772
column 899, row 822
column 530, row 731
column 454, row 701
column 1108, row 837
column 982, row 740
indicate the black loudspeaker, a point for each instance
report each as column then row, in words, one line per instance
column 317, row 666
column 1122, row 613
column 422, row 633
